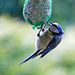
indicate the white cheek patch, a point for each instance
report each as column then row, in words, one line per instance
column 54, row 29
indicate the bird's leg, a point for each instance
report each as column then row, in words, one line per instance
column 40, row 30
column 46, row 24
column 43, row 27
column 50, row 23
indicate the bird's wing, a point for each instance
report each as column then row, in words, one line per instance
column 50, row 46
column 31, row 56
column 38, row 53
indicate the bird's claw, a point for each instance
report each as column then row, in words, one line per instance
column 38, row 34
column 43, row 29
column 38, row 27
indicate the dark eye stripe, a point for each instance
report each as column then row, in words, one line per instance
column 55, row 26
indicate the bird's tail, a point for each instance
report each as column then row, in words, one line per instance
column 31, row 56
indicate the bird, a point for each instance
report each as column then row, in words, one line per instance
column 37, row 12
column 47, row 40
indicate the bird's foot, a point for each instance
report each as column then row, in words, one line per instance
column 38, row 34
column 38, row 27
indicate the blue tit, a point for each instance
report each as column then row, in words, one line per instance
column 47, row 40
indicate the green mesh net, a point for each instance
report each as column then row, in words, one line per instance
column 37, row 12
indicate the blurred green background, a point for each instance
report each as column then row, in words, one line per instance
column 17, row 40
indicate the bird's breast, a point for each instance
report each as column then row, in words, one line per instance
column 43, row 41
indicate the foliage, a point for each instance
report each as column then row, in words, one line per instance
column 12, row 7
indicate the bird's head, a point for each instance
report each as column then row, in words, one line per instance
column 55, row 28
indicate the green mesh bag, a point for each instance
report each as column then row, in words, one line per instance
column 37, row 12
